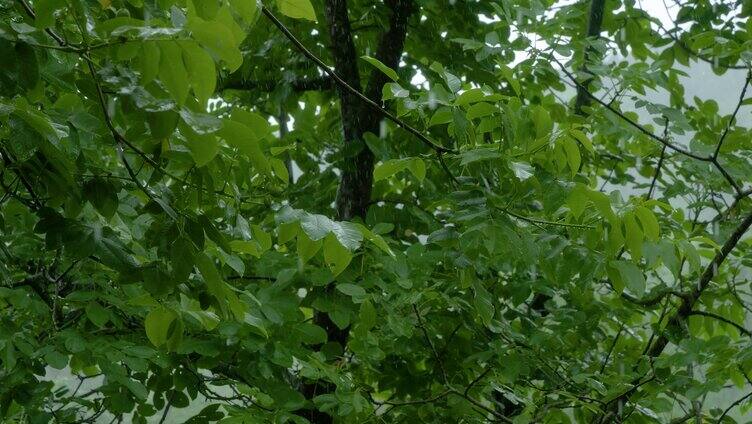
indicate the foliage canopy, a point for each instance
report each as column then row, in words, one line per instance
column 408, row 211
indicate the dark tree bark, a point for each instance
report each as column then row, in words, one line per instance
column 595, row 22
column 354, row 192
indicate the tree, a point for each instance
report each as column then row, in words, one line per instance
column 348, row 211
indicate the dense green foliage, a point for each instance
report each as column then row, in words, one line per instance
column 195, row 211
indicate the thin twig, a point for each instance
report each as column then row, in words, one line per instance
column 733, row 115
column 477, row 379
column 430, row 343
column 625, row 118
column 611, row 349
column 542, row 221
column 737, row 402
column 659, row 165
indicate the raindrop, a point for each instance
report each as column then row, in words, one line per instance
column 623, row 35
column 382, row 129
column 715, row 62
column 431, row 100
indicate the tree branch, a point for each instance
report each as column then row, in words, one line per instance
column 688, row 301
column 741, row 329
column 736, row 402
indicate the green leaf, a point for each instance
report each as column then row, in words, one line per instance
column 392, row 90
column 247, row 141
column 203, row 147
column 481, row 109
column 367, row 315
column 443, row 115
column 182, row 258
column 312, row 334
column 351, row 290
column 452, row 81
column 634, row 236
column 218, row 39
column 247, row 10
column 583, row 139
column 542, row 121
column 577, row 200
column 509, row 76
column 629, row 275
column 45, row 10
column 483, row 304
column 157, row 325
column 102, row 194
column 467, row 97
column 149, row 61
column 56, row 359
column 297, row 9
column 247, row 247
column 521, row 170
column 257, row 324
column 97, row 314
column 263, row 238
column 386, row 169
column 317, row 227
column 602, row 203
column 307, row 248
column 480, row 154
column 649, row 223
column 201, row 71
column 573, row 155
column 381, row 67
column 336, row 256
column 214, row 283
column 280, row 170
column 162, row 124
column 172, row 71
column 208, row 319
column 376, row 239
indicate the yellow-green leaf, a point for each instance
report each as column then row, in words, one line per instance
column 381, row 67
column 157, row 325
column 649, row 223
column 172, row 71
column 297, row 9
column 336, row 255
column 201, row 71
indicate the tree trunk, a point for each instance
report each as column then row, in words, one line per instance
column 595, row 22
column 354, row 192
